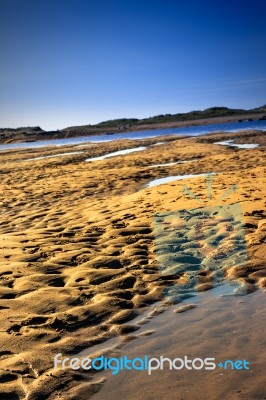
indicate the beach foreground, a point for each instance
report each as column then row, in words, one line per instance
column 79, row 264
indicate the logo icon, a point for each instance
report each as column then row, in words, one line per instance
column 197, row 246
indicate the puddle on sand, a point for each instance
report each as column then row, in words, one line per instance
column 167, row 179
column 157, row 144
column 171, row 163
column 116, row 153
column 162, row 165
column 223, row 328
column 238, row 145
column 54, row 155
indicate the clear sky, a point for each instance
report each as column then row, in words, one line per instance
column 74, row 62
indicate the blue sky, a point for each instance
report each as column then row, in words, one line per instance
column 74, row 62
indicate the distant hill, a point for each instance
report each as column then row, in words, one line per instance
column 127, row 123
column 29, row 130
column 197, row 117
column 262, row 108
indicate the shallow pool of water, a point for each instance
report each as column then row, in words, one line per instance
column 116, row 153
column 238, row 145
column 171, row 163
column 167, row 179
column 221, row 328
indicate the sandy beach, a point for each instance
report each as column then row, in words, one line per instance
column 79, row 265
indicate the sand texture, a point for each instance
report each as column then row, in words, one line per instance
column 79, row 260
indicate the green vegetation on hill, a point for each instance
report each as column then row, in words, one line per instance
column 27, row 129
column 115, row 122
column 190, row 116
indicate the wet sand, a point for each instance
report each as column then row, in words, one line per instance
column 78, row 255
column 219, row 327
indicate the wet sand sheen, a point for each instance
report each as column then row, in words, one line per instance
column 219, row 327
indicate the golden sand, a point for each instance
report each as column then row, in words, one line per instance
column 78, row 259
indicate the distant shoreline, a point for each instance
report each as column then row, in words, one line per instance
column 36, row 134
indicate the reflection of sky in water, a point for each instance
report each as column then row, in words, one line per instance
column 171, row 163
column 238, row 145
column 116, row 153
column 167, row 179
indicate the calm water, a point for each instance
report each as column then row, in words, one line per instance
column 231, row 143
column 189, row 131
column 116, row 153
column 168, row 179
